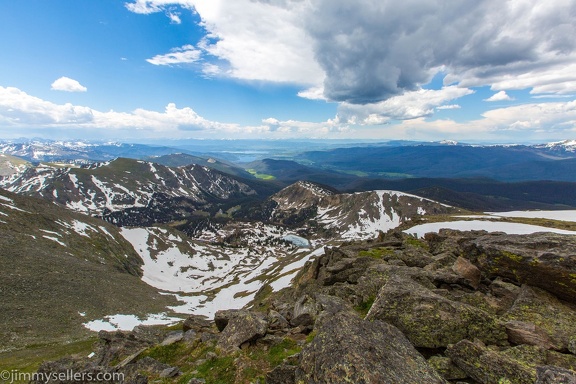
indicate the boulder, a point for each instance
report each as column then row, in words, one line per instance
column 60, row 372
column 276, row 321
column 445, row 367
column 305, row 312
column 487, row 366
column 119, row 345
column 282, row 374
column 555, row 375
column 534, row 356
column 308, row 307
column 441, row 261
column 347, row 270
column 430, row 320
column 196, row 323
column 504, row 293
column 349, row 349
column 520, row 332
column 543, row 260
column 172, row 338
column 170, row 372
column 468, row 271
column 243, row 326
column 553, row 319
column 414, row 256
column 222, row 317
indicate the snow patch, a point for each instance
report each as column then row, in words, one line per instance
column 54, row 239
column 567, row 215
column 128, row 322
column 490, row 226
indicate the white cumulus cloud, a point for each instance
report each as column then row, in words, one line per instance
column 410, row 105
column 257, row 40
column 21, row 112
column 449, row 106
column 67, row 84
column 536, row 121
column 19, row 109
column 184, row 55
column 175, row 18
column 368, row 51
column 500, row 96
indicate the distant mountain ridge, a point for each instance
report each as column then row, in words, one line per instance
column 78, row 150
column 321, row 211
column 451, row 161
column 129, row 192
column 456, row 173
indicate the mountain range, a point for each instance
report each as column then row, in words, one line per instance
column 198, row 238
column 89, row 245
column 476, row 177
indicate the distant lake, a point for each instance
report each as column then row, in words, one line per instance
column 297, row 241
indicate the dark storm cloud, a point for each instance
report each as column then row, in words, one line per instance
column 372, row 50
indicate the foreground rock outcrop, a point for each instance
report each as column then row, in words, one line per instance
column 453, row 307
column 349, row 350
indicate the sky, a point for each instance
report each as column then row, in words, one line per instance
column 143, row 70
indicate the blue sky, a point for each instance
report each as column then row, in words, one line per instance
column 496, row 71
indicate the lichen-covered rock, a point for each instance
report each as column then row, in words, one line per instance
column 172, row 338
column 346, row 270
column 410, row 255
column 222, row 317
column 552, row 316
column 520, row 332
column 534, row 356
column 543, row 260
column 555, row 375
column 118, row 345
column 504, row 293
column 196, row 323
column 308, row 307
column 445, row 367
column 488, row 366
column 305, row 312
column 77, row 371
column 244, row 326
column 347, row 349
column 276, row 321
column 282, row 374
column 430, row 320
column 468, row 271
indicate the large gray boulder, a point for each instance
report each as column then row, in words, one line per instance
column 430, row 320
column 487, row 366
column 347, row 349
column 543, row 260
column 552, row 319
column 242, row 326
column 555, row 375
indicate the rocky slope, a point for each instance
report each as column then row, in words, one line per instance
column 12, row 165
column 391, row 310
column 129, row 192
column 60, row 269
column 222, row 261
column 208, row 257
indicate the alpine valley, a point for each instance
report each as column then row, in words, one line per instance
column 204, row 263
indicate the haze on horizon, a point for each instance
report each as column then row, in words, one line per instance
column 142, row 70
